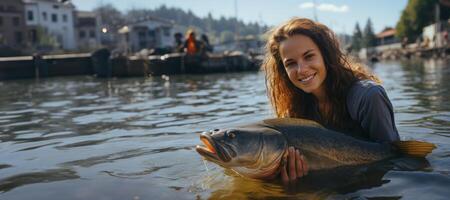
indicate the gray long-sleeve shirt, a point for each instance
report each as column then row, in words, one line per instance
column 372, row 112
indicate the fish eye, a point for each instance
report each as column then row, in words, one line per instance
column 231, row 135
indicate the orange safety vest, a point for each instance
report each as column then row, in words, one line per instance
column 191, row 48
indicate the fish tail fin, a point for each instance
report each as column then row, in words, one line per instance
column 414, row 148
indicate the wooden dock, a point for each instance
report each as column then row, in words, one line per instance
column 100, row 64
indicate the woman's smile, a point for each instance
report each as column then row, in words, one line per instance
column 307, row 79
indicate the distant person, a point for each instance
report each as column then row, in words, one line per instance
column 206, row 46
column 404, row 42
column 191, row 45
column 426, row 42
column 179, row 46
column 445, row 33
column 419, row 42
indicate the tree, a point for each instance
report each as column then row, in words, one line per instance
column 45, row 40
column 417, row 15
column 110, row 16
column 369, row 39
column 357, row 38
column 218, row 29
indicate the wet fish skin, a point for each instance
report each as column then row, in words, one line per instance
column 257, row 150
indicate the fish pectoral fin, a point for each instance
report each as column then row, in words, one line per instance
column 414, row 148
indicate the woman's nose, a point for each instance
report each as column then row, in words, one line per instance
column 300, row 67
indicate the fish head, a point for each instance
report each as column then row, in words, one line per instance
column 250, row 151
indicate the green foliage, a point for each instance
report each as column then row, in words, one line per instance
column 417, row 15
column 110, row 16
column 215, row 28
column 369, row 39
column 357, row 43
column 45, row 40
column 363, row 39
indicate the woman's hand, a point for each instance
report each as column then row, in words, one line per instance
column 294, row 166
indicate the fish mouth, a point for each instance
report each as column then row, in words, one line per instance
column 212, row 150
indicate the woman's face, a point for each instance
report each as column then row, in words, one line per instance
column 304, row 64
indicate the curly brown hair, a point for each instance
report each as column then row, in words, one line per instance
column 289, row 101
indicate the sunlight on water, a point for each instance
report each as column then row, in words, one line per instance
column 92, row 138
column 206, row 167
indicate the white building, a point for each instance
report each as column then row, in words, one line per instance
column 433, row 35
column 149, row 33
column 87, row 30
column 55, row 17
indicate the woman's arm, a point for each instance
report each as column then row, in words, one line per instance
column 370, row 106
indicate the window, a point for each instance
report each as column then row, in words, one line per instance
column 30, row 15
column 141, row 34
column 82, row 34
column 142, row 44
column 1, row 21
column 55, row 6
column 2, row 8
column 54, row 18
column 2, row 39
column 44, row 16
column 92, row 34
column 16, row 21
column 33, row 35
column 151, row 33
column 166, row 32
column 64, row 18
column 18, row 37
column 11, row 9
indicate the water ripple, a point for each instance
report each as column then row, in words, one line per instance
column 141, row 132
column 51, row 175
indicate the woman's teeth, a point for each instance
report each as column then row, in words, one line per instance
column 307, row 78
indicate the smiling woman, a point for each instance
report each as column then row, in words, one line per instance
column 304, row 64
column 308, row 76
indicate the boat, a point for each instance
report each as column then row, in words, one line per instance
column 180, row 63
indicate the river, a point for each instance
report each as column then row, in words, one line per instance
column 134, row 138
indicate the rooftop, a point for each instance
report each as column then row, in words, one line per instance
column 67, row 3
column 386, row 33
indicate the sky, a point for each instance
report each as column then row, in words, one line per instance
column 340, row 15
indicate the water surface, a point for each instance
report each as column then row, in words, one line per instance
column 135, row 138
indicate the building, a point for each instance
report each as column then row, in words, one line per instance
column 109, row 35
column 12, row 24
column 248, row 44
column 387, row 36
column 54, row 18
column 436, row 35
column 252, row 44
column 87, row 30
column 148, row 33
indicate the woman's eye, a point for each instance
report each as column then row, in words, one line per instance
column 289, row 65
column 309, row 56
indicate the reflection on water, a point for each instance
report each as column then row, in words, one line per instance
column 88, row 138
column 36, row 177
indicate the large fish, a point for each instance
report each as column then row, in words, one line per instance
column 257, row 150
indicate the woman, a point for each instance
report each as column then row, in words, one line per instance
column 308, row 76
